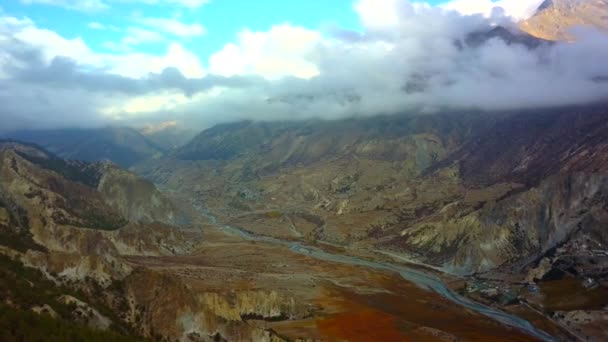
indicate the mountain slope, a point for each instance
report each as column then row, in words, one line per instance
column 121, row 145
column 425, row 185
column 554, row 19
column 61, row 218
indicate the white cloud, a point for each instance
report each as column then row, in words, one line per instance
column 189, row 3
column 139, row 64
column 52, row 44
column 144, row 104
column 79, row 5
column 173, row 27
column 284, row 50
column 124, row 62
column 97, row 5
column 517, row 9
column 183, row 3
column 96, row 26
column 135, row 36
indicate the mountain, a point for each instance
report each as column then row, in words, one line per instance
column 408, row 181
column 63, row 226
column 76, row 193
column 478, row 38
column 90, row 251
column 121, row 145
column 167, row 135
column 555, row 19
column 512, row 195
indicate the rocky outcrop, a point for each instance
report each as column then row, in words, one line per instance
column 153, row 297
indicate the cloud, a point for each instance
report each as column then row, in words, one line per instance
column 124, row 62
column 182, row 3
column 96, row 26
column 98, row 5
column 173, row 27
column 135, row 36
column 517, row 9
column 408, row 58
column 284, row 50
column 78, row 5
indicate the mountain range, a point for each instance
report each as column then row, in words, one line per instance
column 448, row 225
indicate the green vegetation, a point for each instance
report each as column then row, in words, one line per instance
column 16, row 235
column 22, row 288
column 74, row 171
column 20, row 240
column 93, row 219
column 23, row 325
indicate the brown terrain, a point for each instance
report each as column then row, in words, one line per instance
column 164, row 282
column 555, row 19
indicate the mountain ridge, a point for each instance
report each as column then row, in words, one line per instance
column 122, row 145
column 555, row 19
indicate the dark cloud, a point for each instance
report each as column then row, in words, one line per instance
column 28, row 66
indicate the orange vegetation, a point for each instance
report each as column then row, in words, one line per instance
column 361, row 325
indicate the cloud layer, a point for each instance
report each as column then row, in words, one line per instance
column 409, row 58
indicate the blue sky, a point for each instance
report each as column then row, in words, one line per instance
column 222, row 19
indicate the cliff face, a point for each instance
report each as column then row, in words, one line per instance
column 155, row 297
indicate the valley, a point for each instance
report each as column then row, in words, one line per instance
column 402, row 171
column 220, row 282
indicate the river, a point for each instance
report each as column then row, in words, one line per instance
column 418, row 277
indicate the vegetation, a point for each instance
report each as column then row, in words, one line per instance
column 22, row 288
column 74, row 171
column 22, row 325
column 16, row 235
column 20, row 240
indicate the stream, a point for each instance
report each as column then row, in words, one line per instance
column 418, row 277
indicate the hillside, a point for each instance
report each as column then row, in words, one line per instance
column 121, row 145
column 62, row 231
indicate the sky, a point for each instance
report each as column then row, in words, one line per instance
column 70, row 63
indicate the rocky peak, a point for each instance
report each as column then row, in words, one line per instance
column 554, row 19
column 478, row 38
